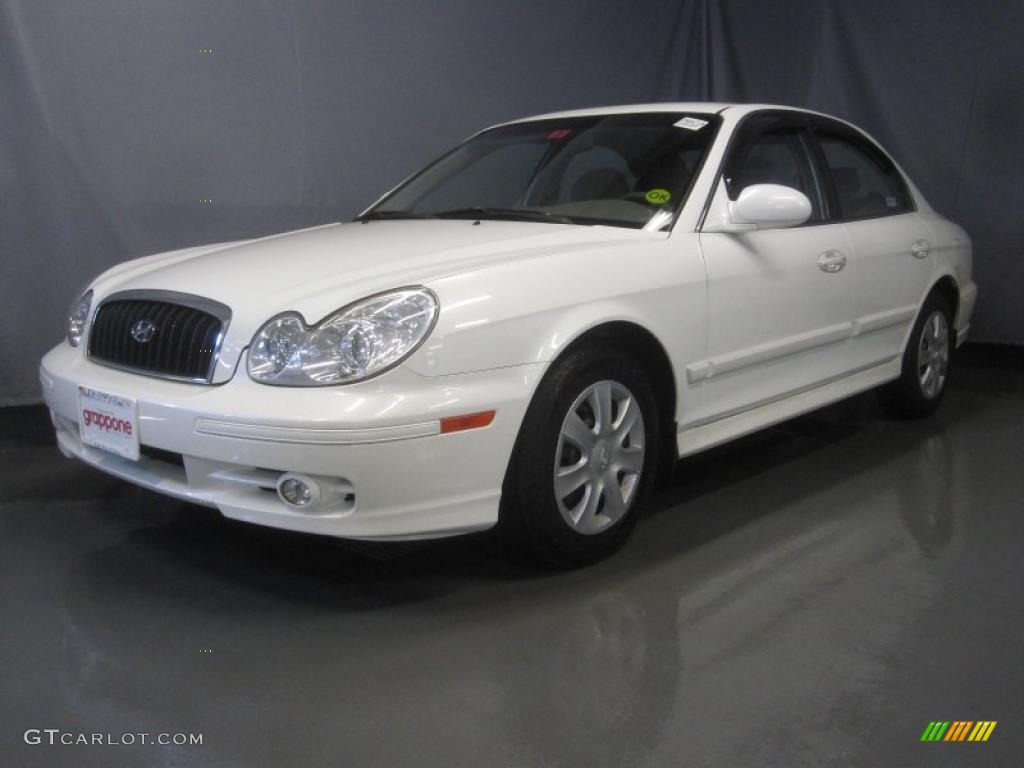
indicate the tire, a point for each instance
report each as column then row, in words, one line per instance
column 563, row 435
column 926, row 363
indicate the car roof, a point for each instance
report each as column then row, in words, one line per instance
column 695, row 107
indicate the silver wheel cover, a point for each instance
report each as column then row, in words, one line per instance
column 599, row 458
column 933, row 355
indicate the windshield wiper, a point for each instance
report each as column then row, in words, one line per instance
column 509, row 214
column 386, row 215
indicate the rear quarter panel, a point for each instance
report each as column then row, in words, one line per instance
column 954, row 257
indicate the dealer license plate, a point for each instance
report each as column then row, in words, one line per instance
column 110, row 422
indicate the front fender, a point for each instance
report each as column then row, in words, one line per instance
column 528, row 311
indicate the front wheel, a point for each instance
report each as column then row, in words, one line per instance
column 584, row 460
column 926, row 363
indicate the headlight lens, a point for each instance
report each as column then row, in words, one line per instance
column 354, row 343
column 78, row 317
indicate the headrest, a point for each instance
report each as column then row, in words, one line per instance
column 668, row 172
column 599, row 184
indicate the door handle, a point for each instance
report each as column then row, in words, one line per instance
column 921, row 248
column 831, row 261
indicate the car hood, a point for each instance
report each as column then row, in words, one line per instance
column 316, row 271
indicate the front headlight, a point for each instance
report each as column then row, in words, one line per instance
column 78, row 317
column 356, row 342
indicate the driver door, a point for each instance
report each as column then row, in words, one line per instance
column 780, row 301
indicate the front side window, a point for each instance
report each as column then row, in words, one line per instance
column 632, row 170
column 866, row 183
column 768, row 153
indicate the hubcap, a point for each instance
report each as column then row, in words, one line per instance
column 933, row 355
column 600, row 457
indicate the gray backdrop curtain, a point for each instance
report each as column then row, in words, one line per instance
column 115, row 123
column 939, row 82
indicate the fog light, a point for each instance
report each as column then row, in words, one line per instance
column 298, row 491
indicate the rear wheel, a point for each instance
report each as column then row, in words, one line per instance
column 926, row 363
column 584, row 460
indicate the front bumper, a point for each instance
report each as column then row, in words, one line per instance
column 377, row 440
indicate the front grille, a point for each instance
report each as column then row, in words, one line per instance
column 152, row 332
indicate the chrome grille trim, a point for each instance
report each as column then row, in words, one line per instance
column 127, row 358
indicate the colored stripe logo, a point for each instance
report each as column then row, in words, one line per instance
column 958, row 730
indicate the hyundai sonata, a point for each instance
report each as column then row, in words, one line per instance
column 524, row 332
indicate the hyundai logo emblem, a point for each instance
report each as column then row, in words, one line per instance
column 143, row 330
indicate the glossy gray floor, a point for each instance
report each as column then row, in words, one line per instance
column 811, row 596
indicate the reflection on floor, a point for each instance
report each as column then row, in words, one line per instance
column 813, row 595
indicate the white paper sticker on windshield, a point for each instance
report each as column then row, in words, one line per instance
column 692, row 123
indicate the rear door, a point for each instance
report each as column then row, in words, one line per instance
column 892, row 249
column 780, row 301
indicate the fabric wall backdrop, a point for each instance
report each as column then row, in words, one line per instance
column 940, row 83
column 115, row 123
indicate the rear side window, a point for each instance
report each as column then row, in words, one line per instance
column 774, row 154
column 866, row 182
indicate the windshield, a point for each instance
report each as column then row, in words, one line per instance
column 631, row 170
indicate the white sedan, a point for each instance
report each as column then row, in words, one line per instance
column 523, row 333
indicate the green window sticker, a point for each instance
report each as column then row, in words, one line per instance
column 658, row 196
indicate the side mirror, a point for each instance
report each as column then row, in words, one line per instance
column 768, row 206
